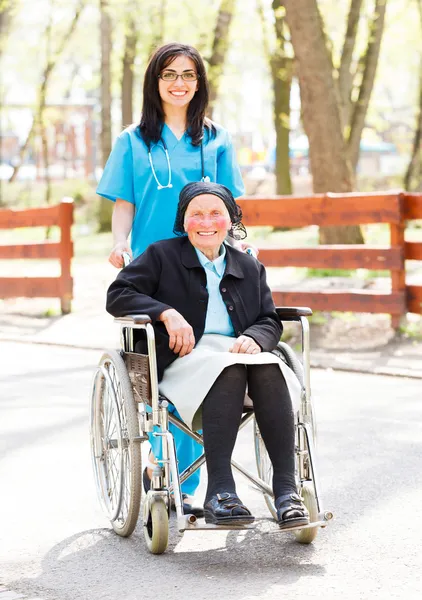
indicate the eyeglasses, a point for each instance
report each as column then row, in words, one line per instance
column 172, row 76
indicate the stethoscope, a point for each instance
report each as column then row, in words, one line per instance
column 160, row 186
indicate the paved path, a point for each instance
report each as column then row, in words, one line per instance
column 56, row 545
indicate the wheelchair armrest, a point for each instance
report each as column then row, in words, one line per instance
column 133, row 320
column 290, row 313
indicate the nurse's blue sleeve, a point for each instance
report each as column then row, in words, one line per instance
column 117, row 178
column 228, row 172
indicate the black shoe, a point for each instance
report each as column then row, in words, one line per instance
column 291, row 512
column 188, row 509
column 227, row 509
column 146, row 480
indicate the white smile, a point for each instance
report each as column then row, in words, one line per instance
column 207, row 233
column 178, row 93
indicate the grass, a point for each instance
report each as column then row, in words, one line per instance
column 329, row 272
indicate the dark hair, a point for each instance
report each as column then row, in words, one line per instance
column 199, row 188
column 152, row 118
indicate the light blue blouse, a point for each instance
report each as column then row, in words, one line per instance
column 127, row 175
column 217, row 319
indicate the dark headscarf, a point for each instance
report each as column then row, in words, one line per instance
column 199, row 188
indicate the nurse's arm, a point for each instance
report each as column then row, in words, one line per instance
column 121, row 226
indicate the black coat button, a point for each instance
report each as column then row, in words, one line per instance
column 224, row 289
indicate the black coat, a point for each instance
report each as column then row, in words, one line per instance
column 169, row 275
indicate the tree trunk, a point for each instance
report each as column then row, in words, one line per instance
column 158, row 14
column 282, row 87
column 281, row 71
column 413, row 176
column 282, row 74
column 106, row 207
column 370, row 61
column 131, row 40
column 52, row 60
column 219, row 49
column 345, row 75
column 321, row 111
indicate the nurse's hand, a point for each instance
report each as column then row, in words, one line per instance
column 180, row 332
column 245, row 345
column 245, row 246
column 116, row 255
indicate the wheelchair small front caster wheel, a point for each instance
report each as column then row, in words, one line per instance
column 306, row 536
column 156, row 525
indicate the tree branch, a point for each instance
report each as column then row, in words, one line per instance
column 370, row 62
column 345, row 76
column 219, row 48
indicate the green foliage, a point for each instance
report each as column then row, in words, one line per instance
column 329, row 273
column 51, row 312
column 318, row 318
column 412, row 328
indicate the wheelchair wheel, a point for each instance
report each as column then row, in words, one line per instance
column 306, row 536
column 264, row 466
column 156, row 525
column 263, row 462
column 116, row 452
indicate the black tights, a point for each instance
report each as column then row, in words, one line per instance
column 221, row 413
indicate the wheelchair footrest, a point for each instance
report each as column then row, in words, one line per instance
column 200, row 525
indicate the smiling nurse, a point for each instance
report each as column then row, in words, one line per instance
column 150, row 163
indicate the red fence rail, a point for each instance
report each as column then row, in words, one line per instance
column 392, row 208
column 40, row 287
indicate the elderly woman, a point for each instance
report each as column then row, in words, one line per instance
column 216, row 327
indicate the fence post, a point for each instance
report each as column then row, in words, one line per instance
column 398, row 277
column 66, row 254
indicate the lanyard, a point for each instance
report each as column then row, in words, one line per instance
column 160, row 186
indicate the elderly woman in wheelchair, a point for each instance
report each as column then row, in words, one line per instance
column 215, row 328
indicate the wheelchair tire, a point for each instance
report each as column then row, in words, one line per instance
column 156, row 525
column 116, row 453
column 287, row 355
column 264, row 467
column 306, row 536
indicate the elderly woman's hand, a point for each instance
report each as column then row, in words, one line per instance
column 180, row 332
column 245, row 345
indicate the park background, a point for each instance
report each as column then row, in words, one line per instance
column 72, row 80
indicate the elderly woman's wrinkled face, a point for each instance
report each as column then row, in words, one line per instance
column 207, row 222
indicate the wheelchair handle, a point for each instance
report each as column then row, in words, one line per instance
column 251, row 252
column 126, row 259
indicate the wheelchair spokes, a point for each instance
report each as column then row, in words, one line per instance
column 114, row 441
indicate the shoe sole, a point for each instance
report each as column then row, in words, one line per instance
column 211, row 519
column 290, row 523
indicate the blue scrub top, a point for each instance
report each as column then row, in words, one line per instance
column 128, row 176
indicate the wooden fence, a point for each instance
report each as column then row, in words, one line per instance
column 40, row 287
column 393, row 208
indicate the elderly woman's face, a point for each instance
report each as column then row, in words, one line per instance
column 207, row 222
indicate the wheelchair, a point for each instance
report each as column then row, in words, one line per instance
column 126, row 408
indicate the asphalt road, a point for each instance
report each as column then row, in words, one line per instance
column 56, row 545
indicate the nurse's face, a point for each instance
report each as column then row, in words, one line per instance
column 180, row 92
column 207, row 222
